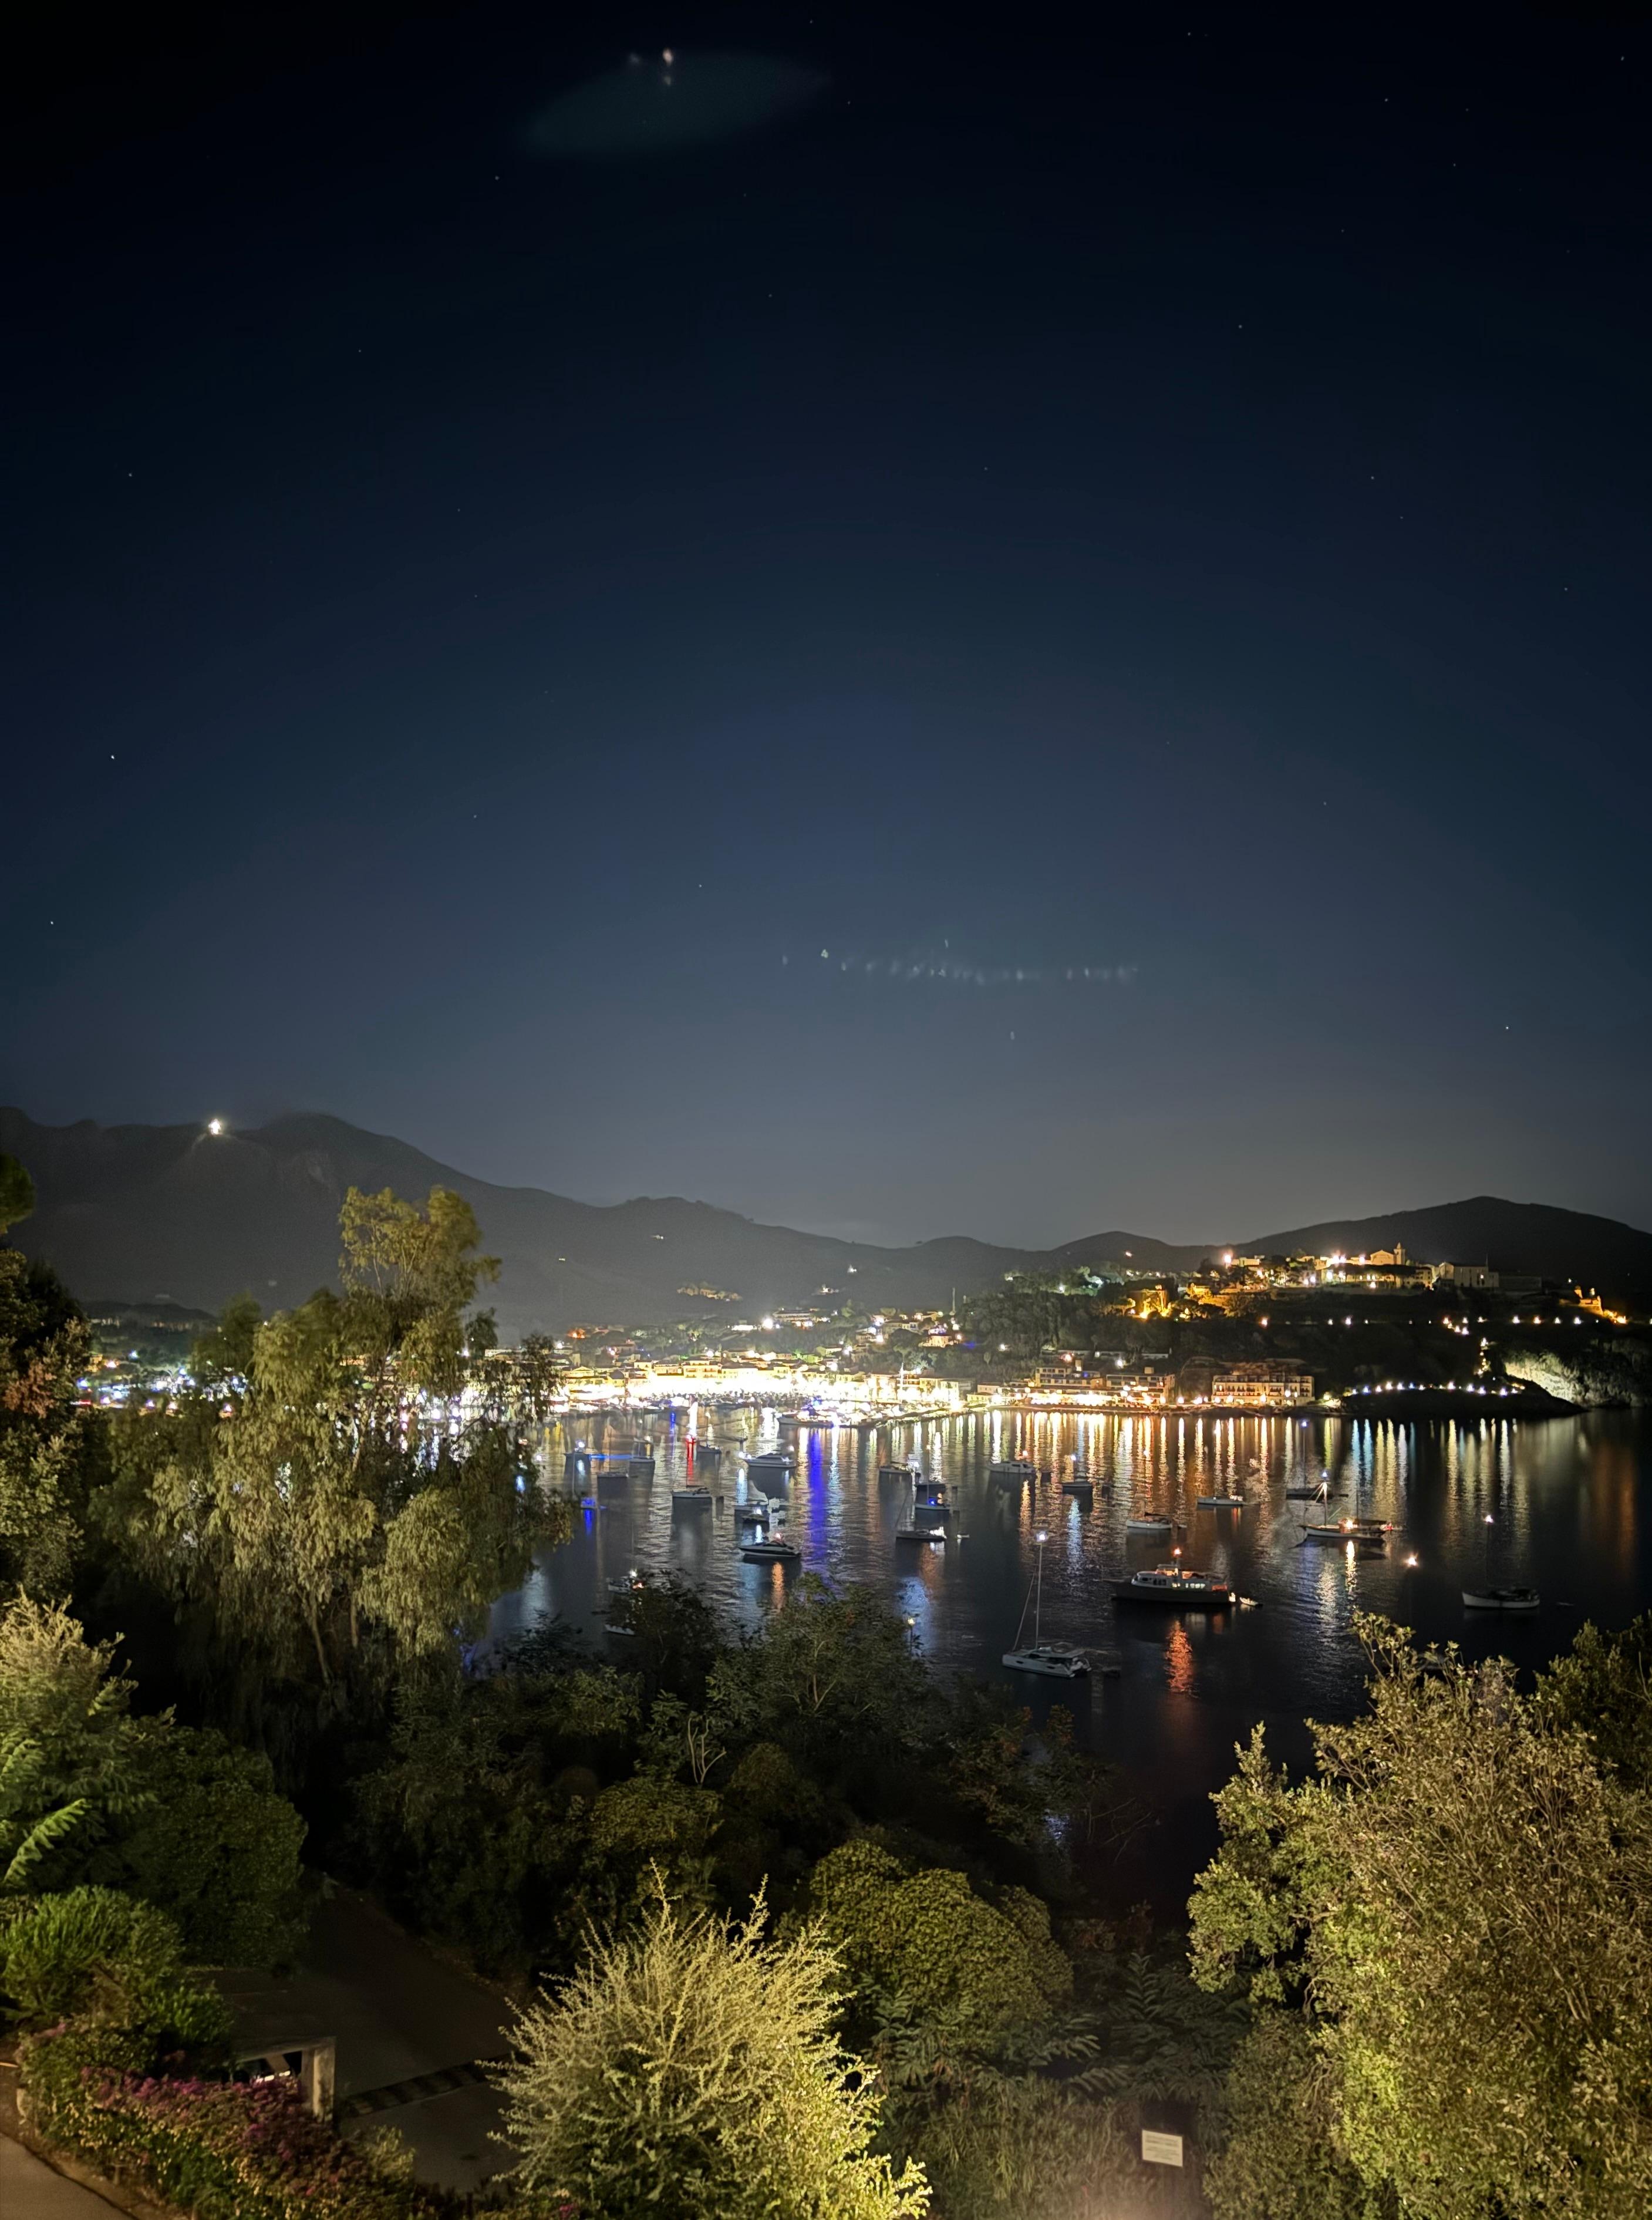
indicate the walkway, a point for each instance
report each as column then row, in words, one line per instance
column 30, row 2191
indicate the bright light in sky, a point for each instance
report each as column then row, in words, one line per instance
column 214, row 1124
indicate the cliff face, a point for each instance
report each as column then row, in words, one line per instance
column 1619, row 1374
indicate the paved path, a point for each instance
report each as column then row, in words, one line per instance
column 410, row 2030
column 30, row 2191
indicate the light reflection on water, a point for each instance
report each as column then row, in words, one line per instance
column 1563, row 1495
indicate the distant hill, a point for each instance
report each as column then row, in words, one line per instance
column 147, row 1214
column 1512, row 1237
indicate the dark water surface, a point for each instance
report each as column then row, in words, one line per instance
column 1564, row 1496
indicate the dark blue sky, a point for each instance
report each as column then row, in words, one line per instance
column 510, row 558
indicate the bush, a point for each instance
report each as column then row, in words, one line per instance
column 95, row 1954
column 217, row 1848
column 689, row 2069
column 220, row 2150
column 970, row 1971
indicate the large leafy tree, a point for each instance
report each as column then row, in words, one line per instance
column 349, row 1486
column 1458, row 1907
column 689, row 2071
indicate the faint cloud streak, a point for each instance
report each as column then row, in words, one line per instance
column 656, row 104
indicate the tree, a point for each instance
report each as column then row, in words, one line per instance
column 1602, row 1688
column 16, row 1192
column 689, row 2072
column 68, row 1761
column 1280, row 2161
column 1458, row 1907
column 834, row 1675
column 970, row 1970
column 349, row 1486
column 45, row 1348
column 215, row 1845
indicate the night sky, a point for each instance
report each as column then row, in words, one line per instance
column 1132, row 538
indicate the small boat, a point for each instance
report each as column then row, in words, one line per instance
column 771, row 1549
column 1220, row 1502
column 706, row 1453
column 772, row 1469
column 906, row 1474
column 1079, row 1483
column 1058, row 1659
column 1107, row 1663
column 1500, row 1599
column 690, row 1493
column 910, row 1531
column 1348, row 1533
column 1176, row 1587
column 1150, row 1522
column 1319, row 1491
column 1012, row 1472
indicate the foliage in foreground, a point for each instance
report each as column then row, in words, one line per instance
column 89, row 1794
column 99, row 1956
column 218, row 2150
column 1456, row 1910
column 691, row 2068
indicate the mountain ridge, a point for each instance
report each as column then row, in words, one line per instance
column 138, row 1213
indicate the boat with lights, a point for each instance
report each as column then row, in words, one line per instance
column 770, row 1550
column 1175, row 1587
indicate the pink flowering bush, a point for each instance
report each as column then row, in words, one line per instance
column 220, row 2150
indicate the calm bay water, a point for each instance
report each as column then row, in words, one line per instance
column 1565, row 1497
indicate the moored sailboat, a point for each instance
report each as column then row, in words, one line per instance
column 1059, row 1659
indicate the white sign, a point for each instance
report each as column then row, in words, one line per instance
column 1160, row 2150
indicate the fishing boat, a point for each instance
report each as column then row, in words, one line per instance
column 1220, row 1502
column 1303, row 1491
column 1059, row 1659
column 1175, row 1587
column 1155, row 1523
column 1012, row 1472
column 770, row 1550
column 1500, row 1599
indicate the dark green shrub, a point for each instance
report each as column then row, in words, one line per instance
column 100, row 1956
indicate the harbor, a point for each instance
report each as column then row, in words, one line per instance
column 1183, row 1684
